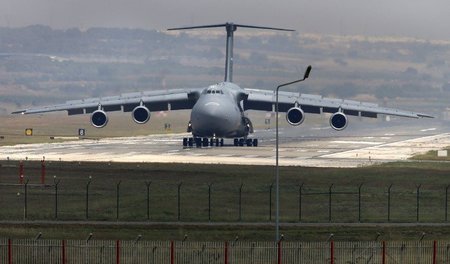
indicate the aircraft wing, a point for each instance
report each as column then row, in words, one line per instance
column 265, row 100
column 172, row 99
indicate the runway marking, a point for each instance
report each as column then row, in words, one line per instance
column 224, row 155
column 250, row 156
column 320, row 128
column 358, row 142
column 428, row 129
column 323, row 151
column 197, row 154
column 171, row 153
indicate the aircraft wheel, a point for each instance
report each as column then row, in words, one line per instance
column 241, row 142
column 217, row 142
column 236, row 142
column 190, row 142
column 255, row 142
column 249, row 142
column 221, row 142
column 205, row 142
column 198, row 142
column 185, row 142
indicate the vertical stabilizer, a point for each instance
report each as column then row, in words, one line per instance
column 231, row 28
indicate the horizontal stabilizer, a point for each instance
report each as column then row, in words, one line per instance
column 228, row 24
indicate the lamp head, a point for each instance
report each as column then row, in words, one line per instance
column 307, row 72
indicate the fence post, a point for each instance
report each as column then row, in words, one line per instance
column 332, row 251
column 147, row 183
column 87, row 197
column 25, row 200
column 446, row 202
column 56, row 195
column 63, row 253
column 21, row 173
column 209, row 201
column 226, row 252
column 279, row 251
column 270, row 202
column 43, row 171
column 117, row 199
column 329, row 202
column 417, row 202
column 179, row 201
column 240, row 202
column 434, row 252
column 9, row 251
column 383, row 252
column 300, row 187
column 117, row 251
column 359, row 202
column 172, row 253
column 389, row 203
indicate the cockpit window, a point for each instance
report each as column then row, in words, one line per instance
column 214, row 91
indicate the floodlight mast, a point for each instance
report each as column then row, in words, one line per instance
column 231, row 28
column 277, row 167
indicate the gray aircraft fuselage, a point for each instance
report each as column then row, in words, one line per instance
column 218, row 112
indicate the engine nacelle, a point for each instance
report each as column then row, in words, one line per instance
column 140, row 114
column 338, row 121
column 295, row 116
column 99, row 119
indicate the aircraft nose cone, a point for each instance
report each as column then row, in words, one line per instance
column 211, row 118
column 213, row 115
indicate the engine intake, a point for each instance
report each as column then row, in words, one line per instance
column 140, row 114
column 99, row 119
column 338, row 121
column 295, row 116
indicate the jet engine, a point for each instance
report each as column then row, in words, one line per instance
column 140, row 114
column 295, row 116
column 99, row 119
column 338, row 121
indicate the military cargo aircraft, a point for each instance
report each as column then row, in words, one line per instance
column 218, row 110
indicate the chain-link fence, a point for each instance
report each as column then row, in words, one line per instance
column 153, row 201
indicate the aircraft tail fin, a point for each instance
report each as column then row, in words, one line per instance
column 230, row 27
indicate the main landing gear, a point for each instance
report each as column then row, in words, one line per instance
column 246, row 142
column 202, row 142
column 210, row 142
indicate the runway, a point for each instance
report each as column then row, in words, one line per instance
column 361, row 144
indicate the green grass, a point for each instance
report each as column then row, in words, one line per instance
column 225, row 180
column 431, row 155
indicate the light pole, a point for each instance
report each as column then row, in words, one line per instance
column 277, row 170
